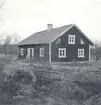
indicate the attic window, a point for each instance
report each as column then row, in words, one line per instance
column 82, row 42
column 58, row 41
column 71, row 39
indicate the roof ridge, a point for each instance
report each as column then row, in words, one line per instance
column 53, row 28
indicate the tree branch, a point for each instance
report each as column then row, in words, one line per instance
column 1, row 3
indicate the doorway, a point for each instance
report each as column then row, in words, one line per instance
column 30, row 52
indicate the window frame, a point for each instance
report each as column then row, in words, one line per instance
column 71, row 39
column 22, row 51
column 28, row 52
column 58, row 41
column 42, row 49
column 59, row 53
column 79, row 53
column 32, row 51
column 81, row 41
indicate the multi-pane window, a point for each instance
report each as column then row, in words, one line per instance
column 41, row 52
column 22, row 51
column 62, row 52
column 71, row 39
column 80, row 52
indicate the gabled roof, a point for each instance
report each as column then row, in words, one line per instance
column 47, row 36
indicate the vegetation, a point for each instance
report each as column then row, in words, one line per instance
column 25, row 83
column 96, row 51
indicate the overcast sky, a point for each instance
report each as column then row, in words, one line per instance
column 28, row 16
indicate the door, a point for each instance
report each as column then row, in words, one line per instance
column 30, row 52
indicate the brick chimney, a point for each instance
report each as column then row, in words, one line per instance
column 49, row 26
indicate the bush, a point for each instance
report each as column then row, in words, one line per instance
column 22, row 76
column 10, row 87
column 93, row 88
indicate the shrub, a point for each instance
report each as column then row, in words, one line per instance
column 22, row 76
column 10, row 87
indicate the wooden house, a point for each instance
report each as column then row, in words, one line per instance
column 61, row 44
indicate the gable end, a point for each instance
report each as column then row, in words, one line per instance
column 83, row 35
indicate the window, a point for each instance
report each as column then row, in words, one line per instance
column 71, row 39
column 62, row 52
column 58, row 41
column 30, row 53
column 81, row 53
column 82, row 42
column 22, row 51
column 41, row 52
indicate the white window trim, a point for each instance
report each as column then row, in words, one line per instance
column 71, row 36
column 80, row 56
column 50, row 52
column 28, row 54
column 22, row 51
column 58, row 41
column 81, row 41
column 61, row 56
column 41, row 55
column 32, row 51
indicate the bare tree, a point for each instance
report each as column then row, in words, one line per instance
column 9, row 44
column 16, row 39
column 8, row 40
column 96, row 51
column 6, row 44
column 1, row 19
column 1, row 3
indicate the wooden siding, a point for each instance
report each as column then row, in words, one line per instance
column 36, row 56
column 71, row 49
